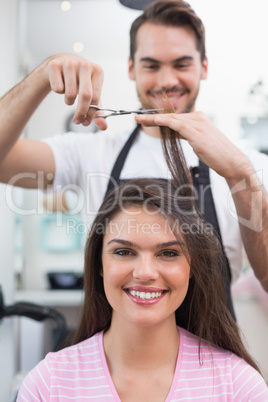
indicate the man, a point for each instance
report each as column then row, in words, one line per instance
column 167, row 61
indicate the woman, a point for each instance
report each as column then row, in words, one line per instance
column 155, row 325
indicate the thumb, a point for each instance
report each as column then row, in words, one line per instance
column 100, row 122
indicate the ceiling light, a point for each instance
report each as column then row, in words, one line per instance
column 78, row 47
column 65, row 5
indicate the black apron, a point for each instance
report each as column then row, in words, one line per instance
column 200, row 177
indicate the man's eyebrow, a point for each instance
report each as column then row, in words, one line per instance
column 183, row 58
column 178, row 60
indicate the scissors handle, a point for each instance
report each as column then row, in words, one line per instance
column 102, row 108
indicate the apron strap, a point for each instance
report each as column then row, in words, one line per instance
column 119, row 163
column 205, row 204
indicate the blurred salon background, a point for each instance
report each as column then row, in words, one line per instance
column 42, row 236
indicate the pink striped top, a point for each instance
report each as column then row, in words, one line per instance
column 80, row 373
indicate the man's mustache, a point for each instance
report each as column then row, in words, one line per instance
column 166, row 91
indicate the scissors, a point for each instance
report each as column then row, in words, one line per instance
column 114, row 112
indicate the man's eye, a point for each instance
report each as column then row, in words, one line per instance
column 150, row 66
column 182, row 66
column 122, row 252
column 169, row 253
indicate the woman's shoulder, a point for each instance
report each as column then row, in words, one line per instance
column 208, row 352
column 69, row 362
column 82, row 350
column 229, row 372
column 202, row 350
column 194, row 340
column 67, row 373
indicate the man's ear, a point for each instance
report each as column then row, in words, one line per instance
column 204, row 71
column 131, row 74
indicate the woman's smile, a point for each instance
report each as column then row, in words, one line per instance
column 144, row 296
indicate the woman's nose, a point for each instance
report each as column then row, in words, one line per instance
column 146, row 269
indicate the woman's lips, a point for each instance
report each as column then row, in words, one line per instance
column 144, row 295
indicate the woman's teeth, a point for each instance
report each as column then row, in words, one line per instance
column 145, row 295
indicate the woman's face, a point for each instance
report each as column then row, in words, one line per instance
column 145, row 272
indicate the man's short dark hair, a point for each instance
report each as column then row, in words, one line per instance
column 175, row 13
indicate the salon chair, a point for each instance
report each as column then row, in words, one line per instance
column 38, row 313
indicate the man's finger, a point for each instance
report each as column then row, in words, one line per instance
column 55, row 77
column 97, row 81
column 70, row 83
column 84, row 93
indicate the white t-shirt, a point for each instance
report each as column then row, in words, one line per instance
column 84, row 163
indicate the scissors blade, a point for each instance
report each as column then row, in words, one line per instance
column 123, row 112
column 145, row 111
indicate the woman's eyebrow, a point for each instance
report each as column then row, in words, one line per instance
column 156, row 246
column 121, row 241
column 169, row 244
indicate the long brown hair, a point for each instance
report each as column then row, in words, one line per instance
column 204, row 311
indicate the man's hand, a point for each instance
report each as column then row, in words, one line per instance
column 74, row 77
column 66, row 74
column 208, row 143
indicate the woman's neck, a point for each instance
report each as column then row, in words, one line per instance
column 146, row 347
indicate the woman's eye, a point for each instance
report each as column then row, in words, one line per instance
column 122, row 252
column 169, row 253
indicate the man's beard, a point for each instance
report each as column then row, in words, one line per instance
column 190, row 106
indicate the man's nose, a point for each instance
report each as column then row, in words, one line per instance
column 167, row 78
column 146, row 269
